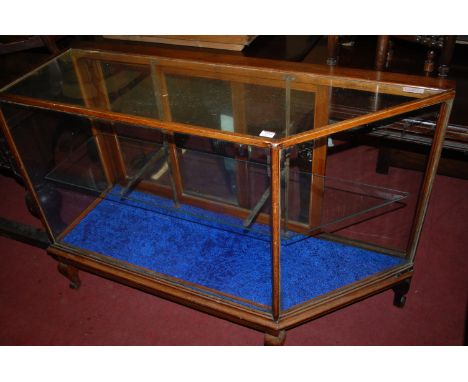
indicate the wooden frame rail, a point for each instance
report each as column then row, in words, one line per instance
column 337, row 127
column 390, row 83
column 176, row 127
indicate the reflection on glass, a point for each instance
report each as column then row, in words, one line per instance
column 144, row 161
column 231, row 181
column 350, row 103
column 319, row 202
column 130, row 89
column 81, row 168
column 252, row 109
column 200, row 101
column 56, row 81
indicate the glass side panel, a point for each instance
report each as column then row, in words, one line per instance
column 350, row 103
column 62, row 160
column 210, row 97
column 80, row 168
column 348, row 205
column 390, row 154
column 302, row 112
column 317, row 202
column 217, row 179
column 369, row 187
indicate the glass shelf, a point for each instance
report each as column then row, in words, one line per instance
column 224, row 181
column 80, row 169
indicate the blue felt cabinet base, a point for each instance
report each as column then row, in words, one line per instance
column 220, row 258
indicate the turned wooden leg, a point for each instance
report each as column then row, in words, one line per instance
column 390, row 52
column 400, row 291
column 71, row 273
column 446, row 55
column 429, row 63
column 49, row 42
column 383, row 158
column 272, row 340
column 381, row 54
column 332, row 47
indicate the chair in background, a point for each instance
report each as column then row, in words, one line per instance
column 443, row 45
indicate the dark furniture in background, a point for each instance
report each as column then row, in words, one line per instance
column 8, row 167
column 15, row 44
column 404, row 54
column 439, row 49
column 14, row 229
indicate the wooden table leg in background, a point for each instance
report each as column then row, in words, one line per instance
column 332, row 42
column 400, row 291
column 382, row 52
column 446, row 56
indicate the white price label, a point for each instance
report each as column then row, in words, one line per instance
column 409, row 89
column 268, row 134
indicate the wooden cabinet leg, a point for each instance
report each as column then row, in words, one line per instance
column 272, row 340
column 400, row 291
column 71, row 273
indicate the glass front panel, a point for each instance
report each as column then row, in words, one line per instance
column 113, row 190
column 62, row 160
column 350, row 103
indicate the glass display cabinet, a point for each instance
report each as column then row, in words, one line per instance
column 259, row 191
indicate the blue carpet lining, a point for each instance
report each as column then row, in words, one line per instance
column 222, row 258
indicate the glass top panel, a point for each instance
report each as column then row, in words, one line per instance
column 212, row 97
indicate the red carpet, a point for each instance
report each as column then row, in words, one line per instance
column 38, row 308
